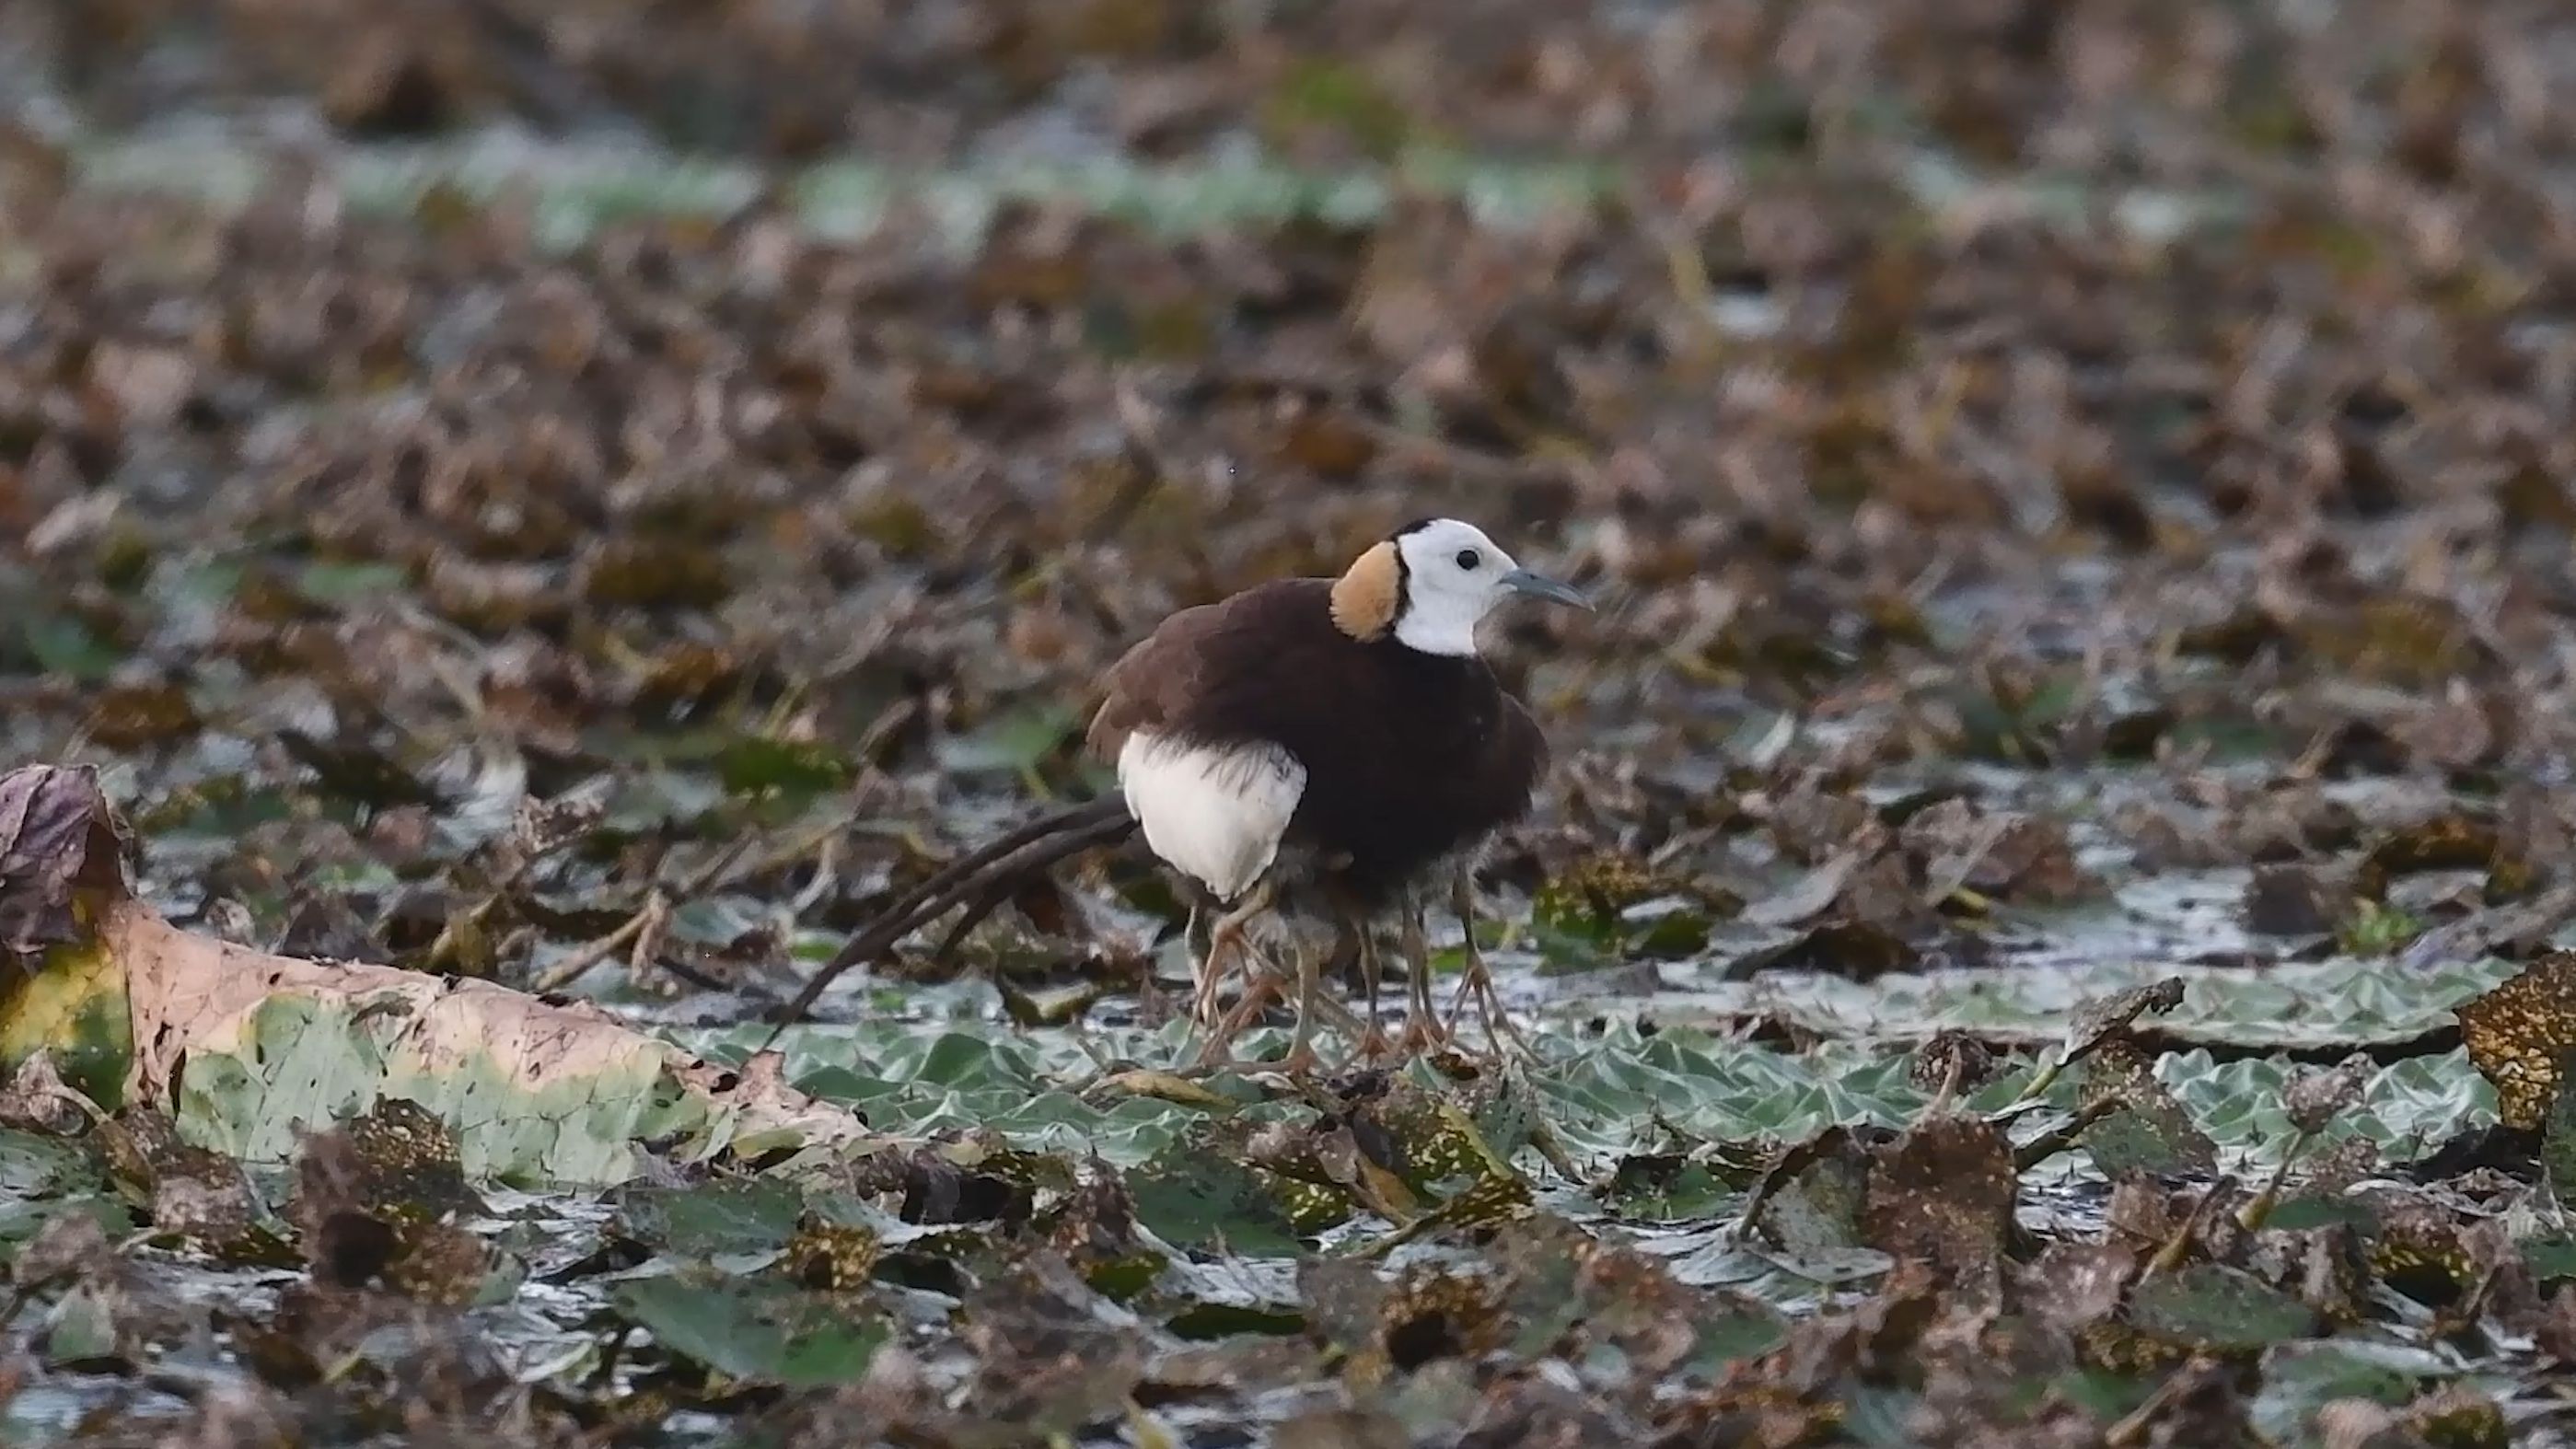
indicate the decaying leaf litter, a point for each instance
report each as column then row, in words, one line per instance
column 2080, row 495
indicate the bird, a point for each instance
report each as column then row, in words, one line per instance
column 1337, row 741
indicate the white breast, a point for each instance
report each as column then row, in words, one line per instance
column 1216, row 813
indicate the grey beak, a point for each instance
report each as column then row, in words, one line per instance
column 1540, row 586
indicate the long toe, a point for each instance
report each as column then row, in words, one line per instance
column 1374, row 1046
column 1423, row 1031
column 1502, row 1037
column 1216, row 1054
column 1213, row 1062
column 1207, row 1004
column 1299, row 1064
column 1220, row 1038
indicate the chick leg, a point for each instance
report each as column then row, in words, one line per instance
column 1199, row 923
column 1372, row 1043
column 1151, row 1008
column 1301, row 1047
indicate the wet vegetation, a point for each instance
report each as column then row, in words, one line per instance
column 2046, row 925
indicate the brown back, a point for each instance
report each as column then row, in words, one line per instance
column 1408, row 755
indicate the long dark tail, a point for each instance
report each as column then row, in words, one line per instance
column 981, row 879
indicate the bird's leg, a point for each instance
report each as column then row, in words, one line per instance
column 1229, row 931
column 1313, row 1004
column 1256, row 997
column 1214, row 1054
column 1208, row 980
column 1233, row 930
column 1423, row 1028
column 1475, row 978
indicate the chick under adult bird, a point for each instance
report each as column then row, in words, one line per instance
column 1336, row 736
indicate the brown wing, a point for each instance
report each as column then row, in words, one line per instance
column 1169, row 675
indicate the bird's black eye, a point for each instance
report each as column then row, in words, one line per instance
column 1468, row 558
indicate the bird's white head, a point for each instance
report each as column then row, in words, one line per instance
column 1432, row 583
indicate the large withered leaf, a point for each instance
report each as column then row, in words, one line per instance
column 241, row 1045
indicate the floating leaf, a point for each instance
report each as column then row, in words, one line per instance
column 1943, row 1193
column 352, row 582
column 2097, row 1020
column 84, row 1328
column 709, row 1220
column 189, row 1191
column 2301, row 1378
column 2294, row 900
column 2460, row 1416
column 2375, row 929
column 61, row 854
column 781, row 767
column 1433, row 1314
column 1014, row 742
column 654, row 573
column 378, row 1198
column 45, row 1182
column 2212, row 1307
column 2519, row 1032
column 2445, row 842
column 1194, row 1198
column 1812, row 1200
column 1953, row 1061
column 1856, row 949
column 1587, row 899
column 64, row 645
column 2003, row 854
column 71, row 1009
column 759, row 1329
column 2558, row 1137
column 2148, row 1131
column 2416, row 1247
column 138, row 716
column 834, row 1255
column 1667, row 1187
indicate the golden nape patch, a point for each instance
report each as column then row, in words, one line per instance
column 1366, row 595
